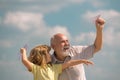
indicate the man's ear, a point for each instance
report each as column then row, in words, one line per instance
column 53, row 46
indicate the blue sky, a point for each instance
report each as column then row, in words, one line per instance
column 33, row 22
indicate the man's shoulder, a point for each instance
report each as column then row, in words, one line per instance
column 76, row 48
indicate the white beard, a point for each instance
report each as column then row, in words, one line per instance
column 65, row 51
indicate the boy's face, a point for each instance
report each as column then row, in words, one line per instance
column 48, row 58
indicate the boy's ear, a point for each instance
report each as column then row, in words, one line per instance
column 48, row 48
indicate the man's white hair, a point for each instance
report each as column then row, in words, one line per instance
column 53, row 39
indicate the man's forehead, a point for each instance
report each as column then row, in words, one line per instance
column 61, row 37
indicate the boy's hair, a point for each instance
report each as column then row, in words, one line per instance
column 38, row 53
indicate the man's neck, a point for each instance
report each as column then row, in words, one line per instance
column 60, row 57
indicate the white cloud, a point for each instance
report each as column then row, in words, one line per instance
column 85, row 37
column 107, row 14
column 33, row 24
column 97, row 3
column 111, row 37
column 59, row 29
column 23, row 20
column 53, row 5
column 5, row 43
column 76, row 1
column 111, row 30
column 34, row 21
column 42, row 6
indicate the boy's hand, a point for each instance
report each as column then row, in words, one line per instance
column 22, row 50
column 87, row 62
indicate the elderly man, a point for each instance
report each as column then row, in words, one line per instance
column 63, row 52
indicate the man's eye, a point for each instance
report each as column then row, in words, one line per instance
column 62, row 41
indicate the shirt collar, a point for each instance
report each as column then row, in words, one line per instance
column 55, row 60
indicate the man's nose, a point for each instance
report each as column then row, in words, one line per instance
column 66, row 43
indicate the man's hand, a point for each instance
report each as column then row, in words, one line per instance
column 99, row 22
column 99, row 27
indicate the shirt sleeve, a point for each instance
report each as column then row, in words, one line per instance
column 33, row 68
column 83, row 52
column 58, row 68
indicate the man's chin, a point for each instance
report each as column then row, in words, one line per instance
column 65, row 53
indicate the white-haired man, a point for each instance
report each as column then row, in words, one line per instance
column 63, row 52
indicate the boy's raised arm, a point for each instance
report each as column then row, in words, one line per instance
column 75, row 62
column 25, row 60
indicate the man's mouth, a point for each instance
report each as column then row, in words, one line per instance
column 66, row 48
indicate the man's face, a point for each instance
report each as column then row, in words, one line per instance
column 62, row 44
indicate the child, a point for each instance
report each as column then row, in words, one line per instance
column 39, row 63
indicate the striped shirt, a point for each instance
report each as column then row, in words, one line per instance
column 75, row 72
